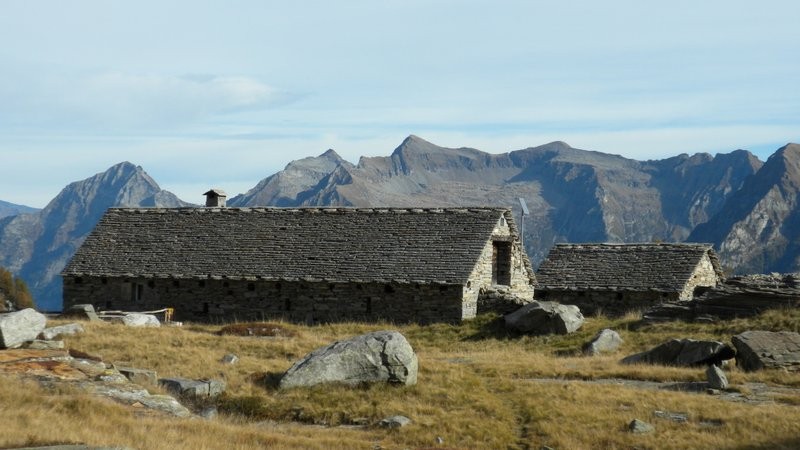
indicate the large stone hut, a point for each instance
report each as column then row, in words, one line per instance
column 300, row 264
column 616, row 278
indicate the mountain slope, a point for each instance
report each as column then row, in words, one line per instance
column 37, row 246
column 758, row 229
column 574, row 195
column 10, row 209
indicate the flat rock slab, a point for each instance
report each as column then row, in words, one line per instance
column 139, row 376
column 38, row 344
column 20, row 326
column 61, row 330
column 683, row 352
column 138, row 320
column 378, row 357
column 758, row 350
column 545, row 318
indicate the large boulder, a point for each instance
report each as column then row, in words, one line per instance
column 381, row 356
column 606, row 341
column 20, row 326
column 684, row 352
column 756, row 350
column 545, row 318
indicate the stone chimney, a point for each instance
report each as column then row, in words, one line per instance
column 215, row 198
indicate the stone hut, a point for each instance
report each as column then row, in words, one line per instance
column 300, row 264
column 616, row 278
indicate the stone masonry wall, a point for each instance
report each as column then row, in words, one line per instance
column 217, row 300
column 481, row 277
column 703, row 275
column 613, row 303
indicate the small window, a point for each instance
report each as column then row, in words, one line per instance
column 201, row 283
column 176, row 283
column 287, row 304
column 225, row 284
column 389, row 289
column 205, row 308
column 151, row 284
column 368, row 305
column 104, row 280
column 251, row 286
column 137, row 292
column 78, row 280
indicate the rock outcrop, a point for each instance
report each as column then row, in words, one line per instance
column 545, row 318
column 378, row 357
column 756, row 350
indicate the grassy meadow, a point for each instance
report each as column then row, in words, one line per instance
column 478, row 388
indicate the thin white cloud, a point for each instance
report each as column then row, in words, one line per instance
column 123, row 101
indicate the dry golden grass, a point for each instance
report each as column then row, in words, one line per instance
column 476, row 389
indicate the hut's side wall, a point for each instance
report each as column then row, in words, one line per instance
column 213, row 300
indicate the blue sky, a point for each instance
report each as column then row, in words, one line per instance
column 220, row 93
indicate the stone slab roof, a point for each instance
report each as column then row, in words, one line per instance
column 622, row 267
column 331, row 244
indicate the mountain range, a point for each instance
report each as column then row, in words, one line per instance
column 747, row 208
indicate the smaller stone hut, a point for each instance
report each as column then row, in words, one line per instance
column 616, row 278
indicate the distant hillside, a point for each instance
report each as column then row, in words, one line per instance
column 37, row 246
column 573, row 195
column 758, row 228
column 10, row 209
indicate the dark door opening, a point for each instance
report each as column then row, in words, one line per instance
column 501, row 263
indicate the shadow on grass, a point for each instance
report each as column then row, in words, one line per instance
column 492, row 329
column 269, row 381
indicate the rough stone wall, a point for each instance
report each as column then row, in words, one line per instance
column 213, row 300
column 703, row 275
column 480, row 280
column 613, row 303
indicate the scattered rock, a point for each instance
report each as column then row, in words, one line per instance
column 381, row 356
column 139, row 320
column 716, row 378
column 193, row 388
column 61, row 330
column 230, row 358
column 672, row 416
column 439, row 440
column 38, row 344
column 545, row 318
column 83, row 311
column 758, row 350
column 20, row 326
column 683, row 352
column 395, row 422
column 606, row 341
column 139, row 376
column 130, row 394
column 640, row 427
column 209, row 413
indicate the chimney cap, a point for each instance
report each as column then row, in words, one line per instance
column 216, row 192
